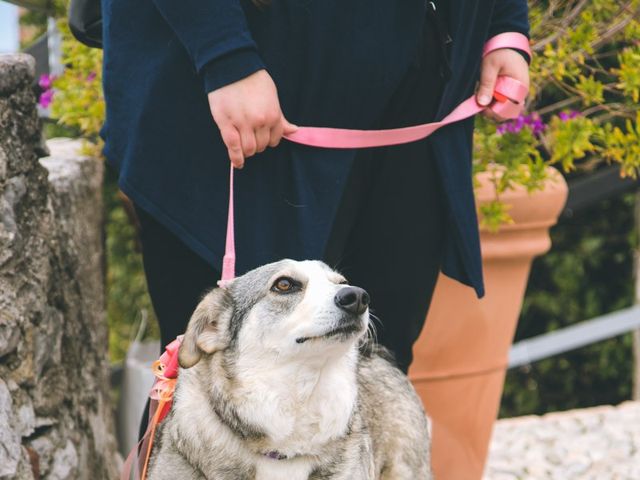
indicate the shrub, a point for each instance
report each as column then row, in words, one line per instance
column 583, row 102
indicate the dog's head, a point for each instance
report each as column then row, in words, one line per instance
column 288, row 309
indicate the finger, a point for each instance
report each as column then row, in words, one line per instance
column 276, row 135
column 288, row 128
column 248, row 140
column 493, row 116
column 263, row 136
column 488, row 78
column 231, row 139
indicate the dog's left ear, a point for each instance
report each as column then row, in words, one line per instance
column 207, row 329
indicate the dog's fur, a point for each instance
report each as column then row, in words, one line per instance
column 266, row 371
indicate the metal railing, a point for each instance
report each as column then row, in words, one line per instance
column 575, row 336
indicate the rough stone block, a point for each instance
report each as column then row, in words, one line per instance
column 55, row 415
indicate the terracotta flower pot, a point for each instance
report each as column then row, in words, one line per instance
column 461, row 356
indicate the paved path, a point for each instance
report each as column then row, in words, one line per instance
column 601, row 443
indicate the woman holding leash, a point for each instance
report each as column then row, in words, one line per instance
column 193, row 84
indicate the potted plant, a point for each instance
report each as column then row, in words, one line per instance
column 584, row 112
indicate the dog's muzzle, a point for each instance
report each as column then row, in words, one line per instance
column 352, row 300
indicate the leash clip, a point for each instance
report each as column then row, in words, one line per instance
column 509, row 95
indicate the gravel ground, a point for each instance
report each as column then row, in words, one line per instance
column 601, row 443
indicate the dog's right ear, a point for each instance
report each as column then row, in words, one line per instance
column 207, row 329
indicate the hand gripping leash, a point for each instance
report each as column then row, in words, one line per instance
column 509, row 95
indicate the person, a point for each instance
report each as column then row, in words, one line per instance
column 192, row 85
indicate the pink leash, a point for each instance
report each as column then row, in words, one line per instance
column 509, row 95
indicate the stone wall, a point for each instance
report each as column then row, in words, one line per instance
column 55, row 416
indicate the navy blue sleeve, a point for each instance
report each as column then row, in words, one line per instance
column 510, row 16
column 216, row 36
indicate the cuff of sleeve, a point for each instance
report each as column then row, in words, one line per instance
column 230, row 68
column 524, row 54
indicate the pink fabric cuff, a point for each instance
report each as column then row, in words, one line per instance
column 511, row 40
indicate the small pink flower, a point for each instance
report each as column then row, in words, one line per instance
column 46, row 81
column 46, row 98
column 91, row 77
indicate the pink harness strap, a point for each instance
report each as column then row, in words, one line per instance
column 509, row 95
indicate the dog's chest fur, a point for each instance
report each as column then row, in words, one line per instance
column 298, row 413
column 299, row 408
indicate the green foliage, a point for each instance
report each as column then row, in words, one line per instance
column 572, row 140
column 591, row 90
column 78, row 100
column 629, row 73
column 587, row 273
column 495, row 214
column 587, row 58
column 623, row 147
column 35, row 21
column 511, row 157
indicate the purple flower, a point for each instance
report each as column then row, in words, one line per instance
column 538, row 127
column 46, row 98
column 45, row 81
column 533, row 122
column 564, row 116
column 91, row 77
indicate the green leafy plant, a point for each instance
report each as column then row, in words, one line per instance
column 583, row 102
column 75, row 97
column 588, row 273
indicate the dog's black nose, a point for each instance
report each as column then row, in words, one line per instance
column 352, row 299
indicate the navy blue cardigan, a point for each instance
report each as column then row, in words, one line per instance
column 335, row 63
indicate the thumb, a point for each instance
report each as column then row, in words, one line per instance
column 288, row 128
column 488, row 78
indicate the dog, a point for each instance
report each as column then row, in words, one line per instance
column 280, row 381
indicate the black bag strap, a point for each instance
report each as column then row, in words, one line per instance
column 85, row 22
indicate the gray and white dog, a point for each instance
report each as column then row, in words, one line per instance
column 278, row 382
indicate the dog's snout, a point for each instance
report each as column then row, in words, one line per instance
column 352, row 299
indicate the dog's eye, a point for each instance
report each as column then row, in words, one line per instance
column 285, row 285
